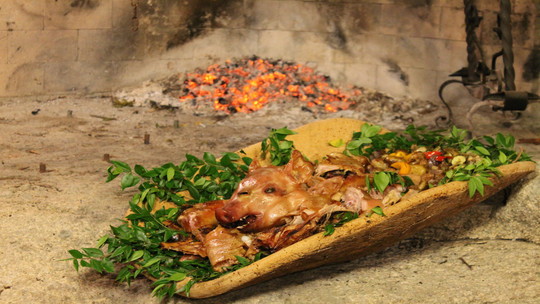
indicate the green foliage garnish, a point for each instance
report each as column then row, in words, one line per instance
column 138, row 242
column 336, row 143
column 383, row 179
column 277, row 146
column 377, row 210
column 341, row 218
column 205, row 179
column 493, row 152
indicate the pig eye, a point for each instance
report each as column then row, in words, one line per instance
column 270, row 190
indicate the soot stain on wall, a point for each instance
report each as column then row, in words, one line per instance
column 90, row 4
column 188, row 20
column 396, row 69
column 531, row 67
column 336, row 38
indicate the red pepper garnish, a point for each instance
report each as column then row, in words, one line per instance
column 441, row 158
column 429, row 154
column 437, row 154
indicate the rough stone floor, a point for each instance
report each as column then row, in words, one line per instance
column 489, row 253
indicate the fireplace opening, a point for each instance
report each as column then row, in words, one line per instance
column 85, row 84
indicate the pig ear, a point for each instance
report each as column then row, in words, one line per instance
column 298, row 167
column 254, row 165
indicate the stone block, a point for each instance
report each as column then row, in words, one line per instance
column 351, row 54
column 417, row 21
column 336, row 72
column 42, row 46
column 311, row 47
column 376, row 47
column 488, row 5
column 181, row 52
column 276, row 44
column 122, row 14
column 389, row 82
column 420, row 52
column 432, row 54
column 520, row 60
column 263, row 14
column 225, row 44
column 231, row 14
column 517, row 6
column 457, row 58
column 360, row 17
column 306, row 16
column 21, row 15
column 3, row 47
column 361, row 74
column 452, row 23
column 77, row 14
column 525, row 6
column 448, row 3
column 422, row 83
column 21, row 79
column 110, row 45
column 67, row 76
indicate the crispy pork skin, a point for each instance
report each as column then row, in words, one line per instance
column 200, row 219
column 222, row 246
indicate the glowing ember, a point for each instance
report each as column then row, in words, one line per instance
column 247, row 85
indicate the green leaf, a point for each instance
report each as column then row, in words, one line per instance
column 337, row 143
column 209, row 158
column 482, row 150
column 96, row 265
column 170, row 173
column 355, row 144
column 178, row 276
column 129, row 180
column 85, row 263
column 152, row 262
column 107, row 265
column 93, row 252
column 102, row 241
column 381, row 181
column 136, row 255
column 475, row 184
column 329, row 229
column 76, row 254
column 378, row 210
column 285, row 131
column 76, row 264
column 242, row 260
column 370, row 130
column 500, row 140
column 123, row 167
column 485, row 181
column 502, row 157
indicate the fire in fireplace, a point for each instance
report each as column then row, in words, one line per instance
column 247, row 84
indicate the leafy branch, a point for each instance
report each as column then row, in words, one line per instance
column 279, row 148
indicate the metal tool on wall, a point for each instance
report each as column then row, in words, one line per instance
column 498, row 89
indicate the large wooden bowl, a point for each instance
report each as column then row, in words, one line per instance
column 363, row 235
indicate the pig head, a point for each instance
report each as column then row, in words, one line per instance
column 269, row 196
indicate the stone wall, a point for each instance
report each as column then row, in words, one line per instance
column 404, row 47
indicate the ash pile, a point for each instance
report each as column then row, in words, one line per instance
column 260, row 87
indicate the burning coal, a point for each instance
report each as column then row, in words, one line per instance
column 248, row 84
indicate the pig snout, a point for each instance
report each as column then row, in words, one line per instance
column 225, row 216
column 233, row 215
